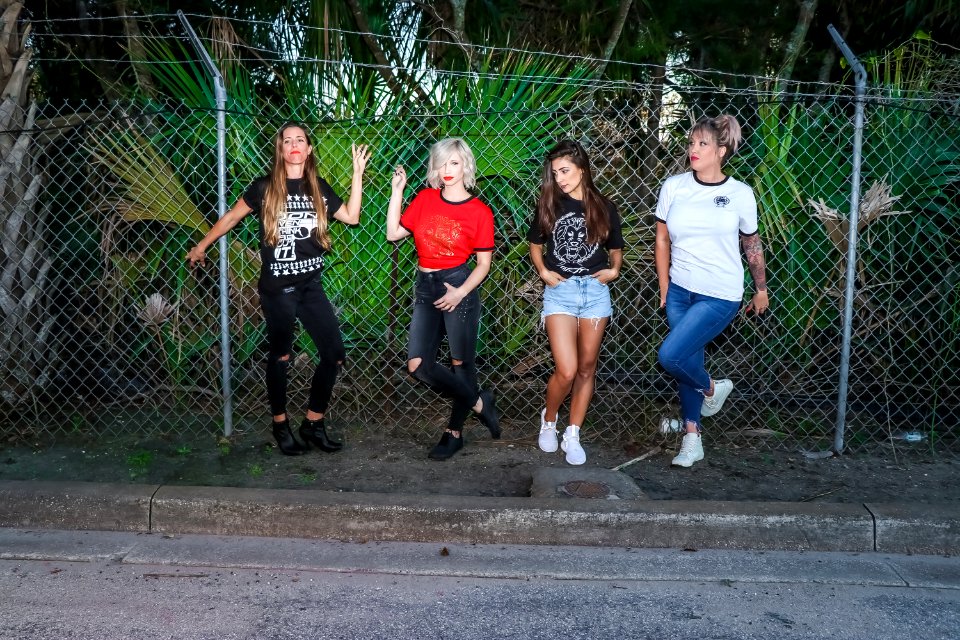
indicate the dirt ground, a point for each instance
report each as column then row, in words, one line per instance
column 375, row 461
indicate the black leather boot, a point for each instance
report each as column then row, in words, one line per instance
column 313, row 432
column 287, row 444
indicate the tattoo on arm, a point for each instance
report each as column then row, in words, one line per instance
column 753, row 249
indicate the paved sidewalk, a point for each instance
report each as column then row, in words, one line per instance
column 363, row 517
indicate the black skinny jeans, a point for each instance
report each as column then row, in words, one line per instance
column 306, row 301
column 429, row 325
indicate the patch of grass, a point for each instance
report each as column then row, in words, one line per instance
column 256, row 471
column 139, row 463
column 307, row 477
column 78, row 423
column 184, row 450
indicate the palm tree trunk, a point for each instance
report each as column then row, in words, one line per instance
column 26, row 348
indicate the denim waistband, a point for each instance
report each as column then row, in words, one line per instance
column 439, row 273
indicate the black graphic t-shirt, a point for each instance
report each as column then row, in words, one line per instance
column 567, row 251
column 298, row 256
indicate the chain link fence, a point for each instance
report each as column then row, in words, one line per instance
column 120, row 336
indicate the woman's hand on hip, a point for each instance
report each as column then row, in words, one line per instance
column 450, row 299
column 606, row 276
column 551, row 278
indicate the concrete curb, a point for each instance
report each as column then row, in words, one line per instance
column 930, row 529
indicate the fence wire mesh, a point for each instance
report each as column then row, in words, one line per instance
column 107, row 329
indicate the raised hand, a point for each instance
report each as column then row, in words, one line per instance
column 399, row 180
column 361, row 154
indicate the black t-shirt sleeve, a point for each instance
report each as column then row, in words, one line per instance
column 534, row 233
column 615, row 238
column 333, row 200
column 253, row 195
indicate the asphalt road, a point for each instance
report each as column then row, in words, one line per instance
column 114, row 585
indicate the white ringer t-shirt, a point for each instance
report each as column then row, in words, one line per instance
column 705, row 222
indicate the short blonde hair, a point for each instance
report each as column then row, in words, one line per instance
column 441, row 151
column 724, row 129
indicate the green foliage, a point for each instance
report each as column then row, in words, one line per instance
column 139, row 463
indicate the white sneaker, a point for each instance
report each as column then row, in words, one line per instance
column 571, row 444
column 713, row 404
column 548, row 434
column 691, row 450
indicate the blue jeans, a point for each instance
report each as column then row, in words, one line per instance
column 578, row 296
column 695, row 320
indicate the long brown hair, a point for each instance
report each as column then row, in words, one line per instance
column 275, row 196
column 595, row 206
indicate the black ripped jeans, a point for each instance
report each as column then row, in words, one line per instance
column 307, row 302
column 429, row 325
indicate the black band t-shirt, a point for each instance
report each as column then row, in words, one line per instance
column 298, row 255
column 567, row 251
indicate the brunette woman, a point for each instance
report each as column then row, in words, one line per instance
column 294, row 207
column 576, row 246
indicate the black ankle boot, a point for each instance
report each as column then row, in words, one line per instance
column 287, row 444
column 488, row 414
column 314, row 432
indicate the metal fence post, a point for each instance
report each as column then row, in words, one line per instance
column 860, row 78
column 221, row 98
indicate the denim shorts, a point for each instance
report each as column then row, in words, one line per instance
column 578, row 296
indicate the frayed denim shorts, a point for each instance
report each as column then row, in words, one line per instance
column 578, row 296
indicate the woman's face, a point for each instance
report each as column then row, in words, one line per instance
column 704, row 153
column 451, row 171
column 568, row 176
column 295, row 147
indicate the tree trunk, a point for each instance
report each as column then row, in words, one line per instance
column 615, row 32
column 797, row 38
column 27, row 356
column 136, row 50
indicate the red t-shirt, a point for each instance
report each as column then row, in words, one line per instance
column 447, row 233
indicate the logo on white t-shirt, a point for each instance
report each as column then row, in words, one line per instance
column 721, row 201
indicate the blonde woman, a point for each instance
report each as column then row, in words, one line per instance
column 704, row 219
column 448, row 225
column 295, row 207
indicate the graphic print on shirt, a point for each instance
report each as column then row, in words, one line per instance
column 299, row 222
column 441, row 235
column 570, row 246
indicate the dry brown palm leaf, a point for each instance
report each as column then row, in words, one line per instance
column 530, row 290
column 877, row 202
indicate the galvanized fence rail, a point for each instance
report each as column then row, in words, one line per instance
column 122, row 337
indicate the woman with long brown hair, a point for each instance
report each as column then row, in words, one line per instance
column 295, row 206
column 576, row 246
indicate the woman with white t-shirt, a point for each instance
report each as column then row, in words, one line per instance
column 701, row 215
